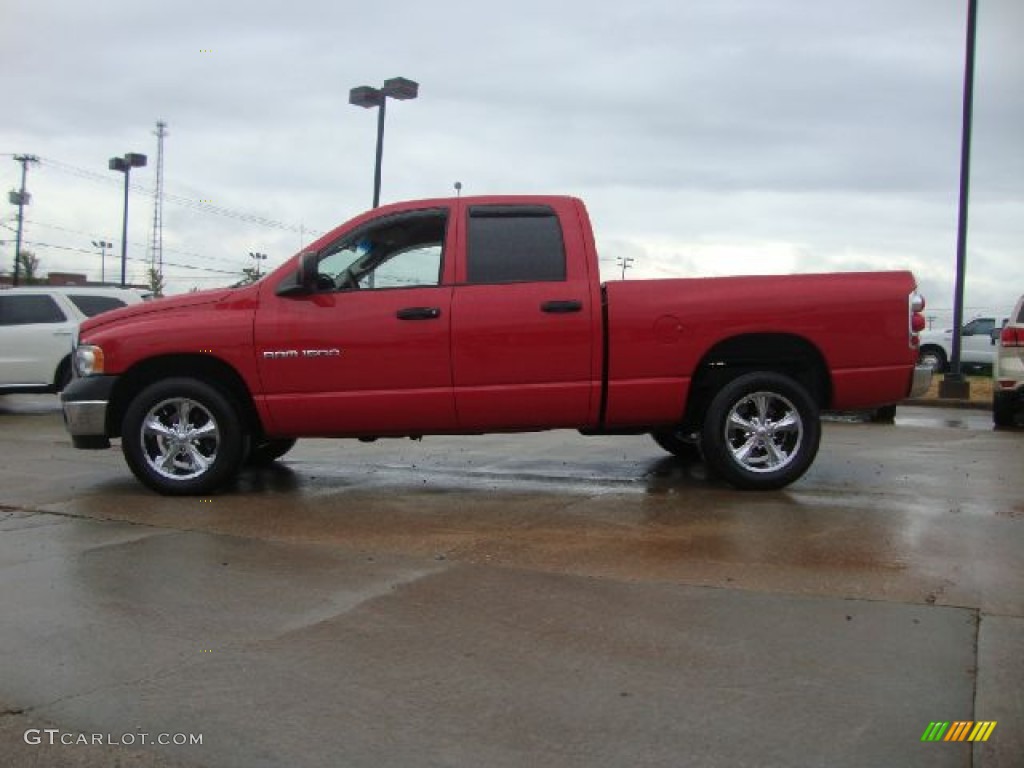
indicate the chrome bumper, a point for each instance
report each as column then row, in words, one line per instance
column 921, row 381
column 86, row 417
column 85, row 403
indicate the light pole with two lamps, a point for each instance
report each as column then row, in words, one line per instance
column 125, row 165
column 258, row 257
column 102, row 245
column 366, row 96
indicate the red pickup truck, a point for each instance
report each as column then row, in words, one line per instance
column 472, row 315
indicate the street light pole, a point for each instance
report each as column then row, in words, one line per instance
column 366, row 96
column 954, row 384
column 125, row 165
column 102, row 245
column 258, row 258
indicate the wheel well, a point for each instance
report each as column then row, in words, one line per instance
column 933, row 348
column 210, row 370
column 780, row 353
column 63, row 368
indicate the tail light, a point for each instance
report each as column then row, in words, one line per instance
column 1012, row 337
column 917, row 321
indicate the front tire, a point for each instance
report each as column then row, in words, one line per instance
column 269, row 451
column 182, row 437
column 761, row 431
column 62, row 377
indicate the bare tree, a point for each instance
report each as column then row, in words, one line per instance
column 156, row 283
column 29, row 266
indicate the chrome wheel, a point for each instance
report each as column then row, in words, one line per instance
column 180, row 438
column 763, row 431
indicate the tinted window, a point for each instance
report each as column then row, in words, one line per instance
column 93, row 305
column 24, row 310
column 981, row 326
column 512, row 244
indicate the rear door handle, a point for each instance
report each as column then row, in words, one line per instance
column 561, row 307
column 419, row 313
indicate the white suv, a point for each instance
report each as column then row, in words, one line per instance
column 1008, row 371
column 37, row 327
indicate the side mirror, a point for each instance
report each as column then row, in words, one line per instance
column 304, row 280
column 996, row 333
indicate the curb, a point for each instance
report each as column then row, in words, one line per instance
column 949, row 403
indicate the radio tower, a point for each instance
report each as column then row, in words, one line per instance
column 156, row 246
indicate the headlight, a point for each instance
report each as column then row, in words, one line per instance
column 88, row 360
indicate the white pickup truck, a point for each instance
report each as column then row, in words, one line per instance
column 978, row 340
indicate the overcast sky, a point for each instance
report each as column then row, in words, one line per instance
column 707, row 137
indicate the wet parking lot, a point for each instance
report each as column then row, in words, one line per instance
column 516, row 600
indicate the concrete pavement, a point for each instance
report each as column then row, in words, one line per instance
column 510, row 600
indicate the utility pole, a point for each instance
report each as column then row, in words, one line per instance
column 21, row 199
column 627, row 263
column 156, row 246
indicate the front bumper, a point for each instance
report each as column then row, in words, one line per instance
column 921, row 381
column 85, row 403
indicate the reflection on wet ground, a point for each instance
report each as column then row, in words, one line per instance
column 885, row 566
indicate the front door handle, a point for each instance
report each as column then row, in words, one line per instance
column 419, row 313
column 561, row 307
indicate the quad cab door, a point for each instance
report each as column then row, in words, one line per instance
column 525, row 318
column 367, row 352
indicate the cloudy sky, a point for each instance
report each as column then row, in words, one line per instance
column 708, row 137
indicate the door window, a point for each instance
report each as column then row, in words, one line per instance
column 514, row 244
column 94, row 305
column 28, row 310
column 404, row 251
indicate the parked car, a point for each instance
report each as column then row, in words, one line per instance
column 1008, row 371
column 977, row 345
column 487, row 314
column 37, row 329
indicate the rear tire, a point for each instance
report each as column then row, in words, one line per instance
column 676, row 443
column 761, row 431
column 1004, row 410
column 933, row 357
column 182, row 437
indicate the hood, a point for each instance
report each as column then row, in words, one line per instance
column 161, row 305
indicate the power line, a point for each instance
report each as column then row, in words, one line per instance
column 37, row 244
column 92, row 235
column 181, row 200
